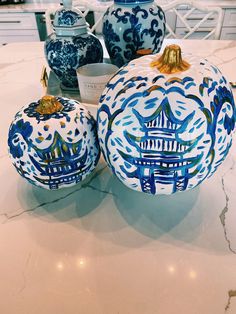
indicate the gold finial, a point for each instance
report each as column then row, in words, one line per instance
column 171, row 61
column 48, row 105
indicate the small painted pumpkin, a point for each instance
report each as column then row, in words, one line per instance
column 53, row 142
column 165, row 124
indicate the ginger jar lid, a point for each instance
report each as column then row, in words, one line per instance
column 69, row 21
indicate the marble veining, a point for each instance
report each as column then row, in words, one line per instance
column 223, row 216
column 86, row 184
column 227, row 207
column 24, row 284
column 101, row 243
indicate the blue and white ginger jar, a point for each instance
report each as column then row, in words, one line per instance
column 53, row 142
column 71, row 45
column 165, row 125
column 132, row 28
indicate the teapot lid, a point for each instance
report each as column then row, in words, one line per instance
column 69, row 17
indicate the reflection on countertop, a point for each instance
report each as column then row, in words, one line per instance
column 102, row 248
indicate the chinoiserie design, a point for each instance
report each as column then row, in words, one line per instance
column 133, row 28
column 53, row 142
column 71, row 46
column 168, row 127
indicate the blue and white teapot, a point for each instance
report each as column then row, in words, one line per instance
column 71, row 45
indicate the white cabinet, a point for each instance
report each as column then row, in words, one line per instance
column 18, row 27
column 26, row 26
column 228, row 30
column 195, row 18
column 230, row 18
column 229, row 25
column 228, row 33
column 198, row 34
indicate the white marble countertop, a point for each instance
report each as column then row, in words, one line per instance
column 101, row 248
column 43, row 6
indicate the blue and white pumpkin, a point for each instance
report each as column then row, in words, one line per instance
column 132, row 28
column 53, row 142
column 161, row 133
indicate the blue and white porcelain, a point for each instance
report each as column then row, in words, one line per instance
column 132, row 28
column 57, row 149
column 71, row 45
column 165, row 133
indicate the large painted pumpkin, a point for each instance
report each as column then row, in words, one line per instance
column 53, row 142
column 165, row 123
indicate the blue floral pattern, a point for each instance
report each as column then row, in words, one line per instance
column 64, row 112
column 18, row 135
column 129, row 29
column 65, row 55
column 55, row 152
column 67, row 18
column 162, row 134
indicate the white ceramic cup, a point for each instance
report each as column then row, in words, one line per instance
column 92, row 79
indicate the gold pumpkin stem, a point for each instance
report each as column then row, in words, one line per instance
column 48, row 105
column 171, row 61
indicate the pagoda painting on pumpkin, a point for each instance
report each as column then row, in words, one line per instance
column 53, row 142
column 162, row 158
column 163, row 134
column 61, row 163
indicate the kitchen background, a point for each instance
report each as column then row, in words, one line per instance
column 25, row 20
